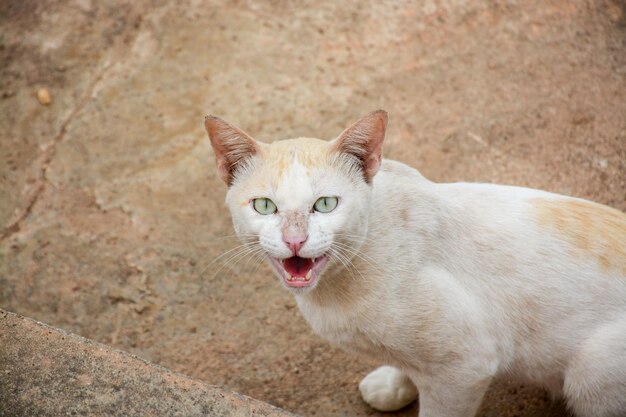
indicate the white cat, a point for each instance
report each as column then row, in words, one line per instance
column 451, row 284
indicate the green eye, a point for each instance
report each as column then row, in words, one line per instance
column 264, row 206
column 325, row 204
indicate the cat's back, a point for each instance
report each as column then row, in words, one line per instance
column 578, row 229
column 502, row 221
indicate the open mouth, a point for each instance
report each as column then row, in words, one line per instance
column 299, row 272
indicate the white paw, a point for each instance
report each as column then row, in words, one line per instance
column 387, row 389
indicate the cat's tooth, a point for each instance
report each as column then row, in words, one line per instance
column 290, row 278
column 308, row 276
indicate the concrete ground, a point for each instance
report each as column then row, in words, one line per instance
column 48, row 372
column 111, row 211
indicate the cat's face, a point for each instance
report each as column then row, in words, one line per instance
column 304, row 202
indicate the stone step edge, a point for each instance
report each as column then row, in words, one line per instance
column 46, row 371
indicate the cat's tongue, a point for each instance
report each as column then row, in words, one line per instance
column 297, row 266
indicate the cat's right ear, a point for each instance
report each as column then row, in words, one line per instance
column 230, row 145
column 364, row 141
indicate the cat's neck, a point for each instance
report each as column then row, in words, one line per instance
column 344, row 286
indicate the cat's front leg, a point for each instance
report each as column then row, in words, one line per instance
column 387, row 389
column 451, row 395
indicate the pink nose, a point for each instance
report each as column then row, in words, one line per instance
column 295, row 242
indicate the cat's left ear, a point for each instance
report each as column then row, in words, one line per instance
column 364, row 140
column 230, row 145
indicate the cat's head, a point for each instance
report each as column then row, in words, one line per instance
column 303, row 202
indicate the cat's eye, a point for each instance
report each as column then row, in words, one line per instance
column 325, row 204
column 264, row 206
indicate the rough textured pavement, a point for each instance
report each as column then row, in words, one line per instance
column 111, row 214
column 48, row 372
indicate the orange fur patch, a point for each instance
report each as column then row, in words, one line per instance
column 591, row 228
column 282, row 154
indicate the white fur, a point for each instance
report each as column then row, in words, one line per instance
column 452, row 285
column 387, row 389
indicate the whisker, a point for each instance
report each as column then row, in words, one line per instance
column 344, row 260
column 259, row 258
column 235, row 258
column 252, row 256
column 259, row 263
column 218, row 241
column 221, row 256
column 335, row 254
column 345, row 252
column 253, row 249
column 255, row 256
column 242, row 249
column 365, row 258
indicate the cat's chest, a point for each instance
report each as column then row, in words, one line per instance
column 358, row 333
column 348, row 328
column 338, row 325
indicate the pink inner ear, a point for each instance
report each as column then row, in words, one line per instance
column 371, row 165
column 231, row 146
column 223, row 171
column 364, row 139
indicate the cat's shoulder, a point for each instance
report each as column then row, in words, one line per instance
column 391, row 170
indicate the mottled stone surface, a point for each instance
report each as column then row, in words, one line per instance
column 48, row 372
column 111, row 213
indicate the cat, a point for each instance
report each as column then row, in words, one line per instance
column 448, row 285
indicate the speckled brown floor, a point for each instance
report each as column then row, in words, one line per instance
column 110, row 209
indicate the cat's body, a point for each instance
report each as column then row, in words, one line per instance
column 452, row 284
column 448, row 293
